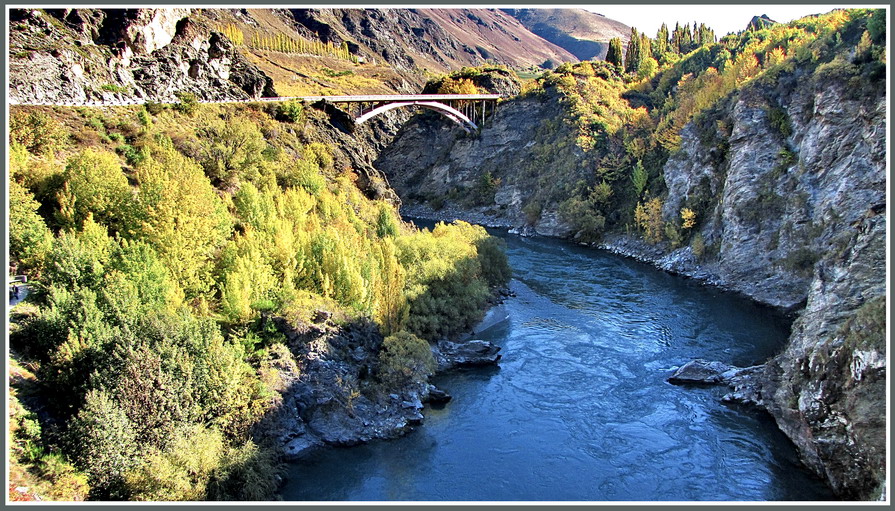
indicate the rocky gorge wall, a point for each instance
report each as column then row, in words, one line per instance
column 794, row 178
column 801, row 220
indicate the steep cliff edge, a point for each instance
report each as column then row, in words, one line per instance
column 787, row 176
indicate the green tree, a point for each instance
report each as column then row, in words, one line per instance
column 634, row 53
column 29, row 238
column 638, row 179
column 230, row 150
column 648, row 67
column 614, row 54
column 95, row 184
column 660, row 43
column 181, row 215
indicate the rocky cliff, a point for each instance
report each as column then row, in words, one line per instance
column 78, row 55
column 801, row 220
column 792, row 177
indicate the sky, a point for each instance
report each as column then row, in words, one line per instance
column 723, row 19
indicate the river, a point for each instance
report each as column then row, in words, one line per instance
column 579, row 408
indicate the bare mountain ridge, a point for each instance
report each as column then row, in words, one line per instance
column 583, row 33
column 434, row 39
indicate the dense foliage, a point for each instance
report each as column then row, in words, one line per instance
column 629, row 110
column 155, row 239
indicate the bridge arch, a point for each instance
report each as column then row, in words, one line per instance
column 445, row 110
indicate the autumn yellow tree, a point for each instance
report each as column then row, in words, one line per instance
column 648, row 218
column 181, row 216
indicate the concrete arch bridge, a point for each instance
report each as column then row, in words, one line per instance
column 463, row 109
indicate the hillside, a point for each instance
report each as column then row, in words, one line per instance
column 581, row 32
column 117, row 54
column 223, row 283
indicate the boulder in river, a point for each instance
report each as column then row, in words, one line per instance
column 472, row 353
column 745, row 382
column 704, row 372
column 437, row 396
column 301, row 447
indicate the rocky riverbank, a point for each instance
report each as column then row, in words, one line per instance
column 329, row 394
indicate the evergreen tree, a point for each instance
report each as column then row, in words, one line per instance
column 633, row 55
column 660, row 43
column 614, row 55
column 646, row 49
column 676, row 39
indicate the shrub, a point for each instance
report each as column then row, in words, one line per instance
column 188, row 104
column 101, row 440
column 111, row 87
column 37, row 131
column 291, row 111
column 246, row 473
column 697, row 245
column 801, row 260
column 154, row 108
column 779, row 120
column 144, row 117
column 486, row 187
column 405, row 359
column 182, row 471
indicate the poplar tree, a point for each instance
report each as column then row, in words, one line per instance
column 660, row 43
column 632, row 56
column 614, row 54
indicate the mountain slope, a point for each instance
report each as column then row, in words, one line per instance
column 115, row 54
column 433, row 39
column 583, row 33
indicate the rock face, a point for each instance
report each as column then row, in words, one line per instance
column 430, row 158
column 118, row 54
column 800, row 225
